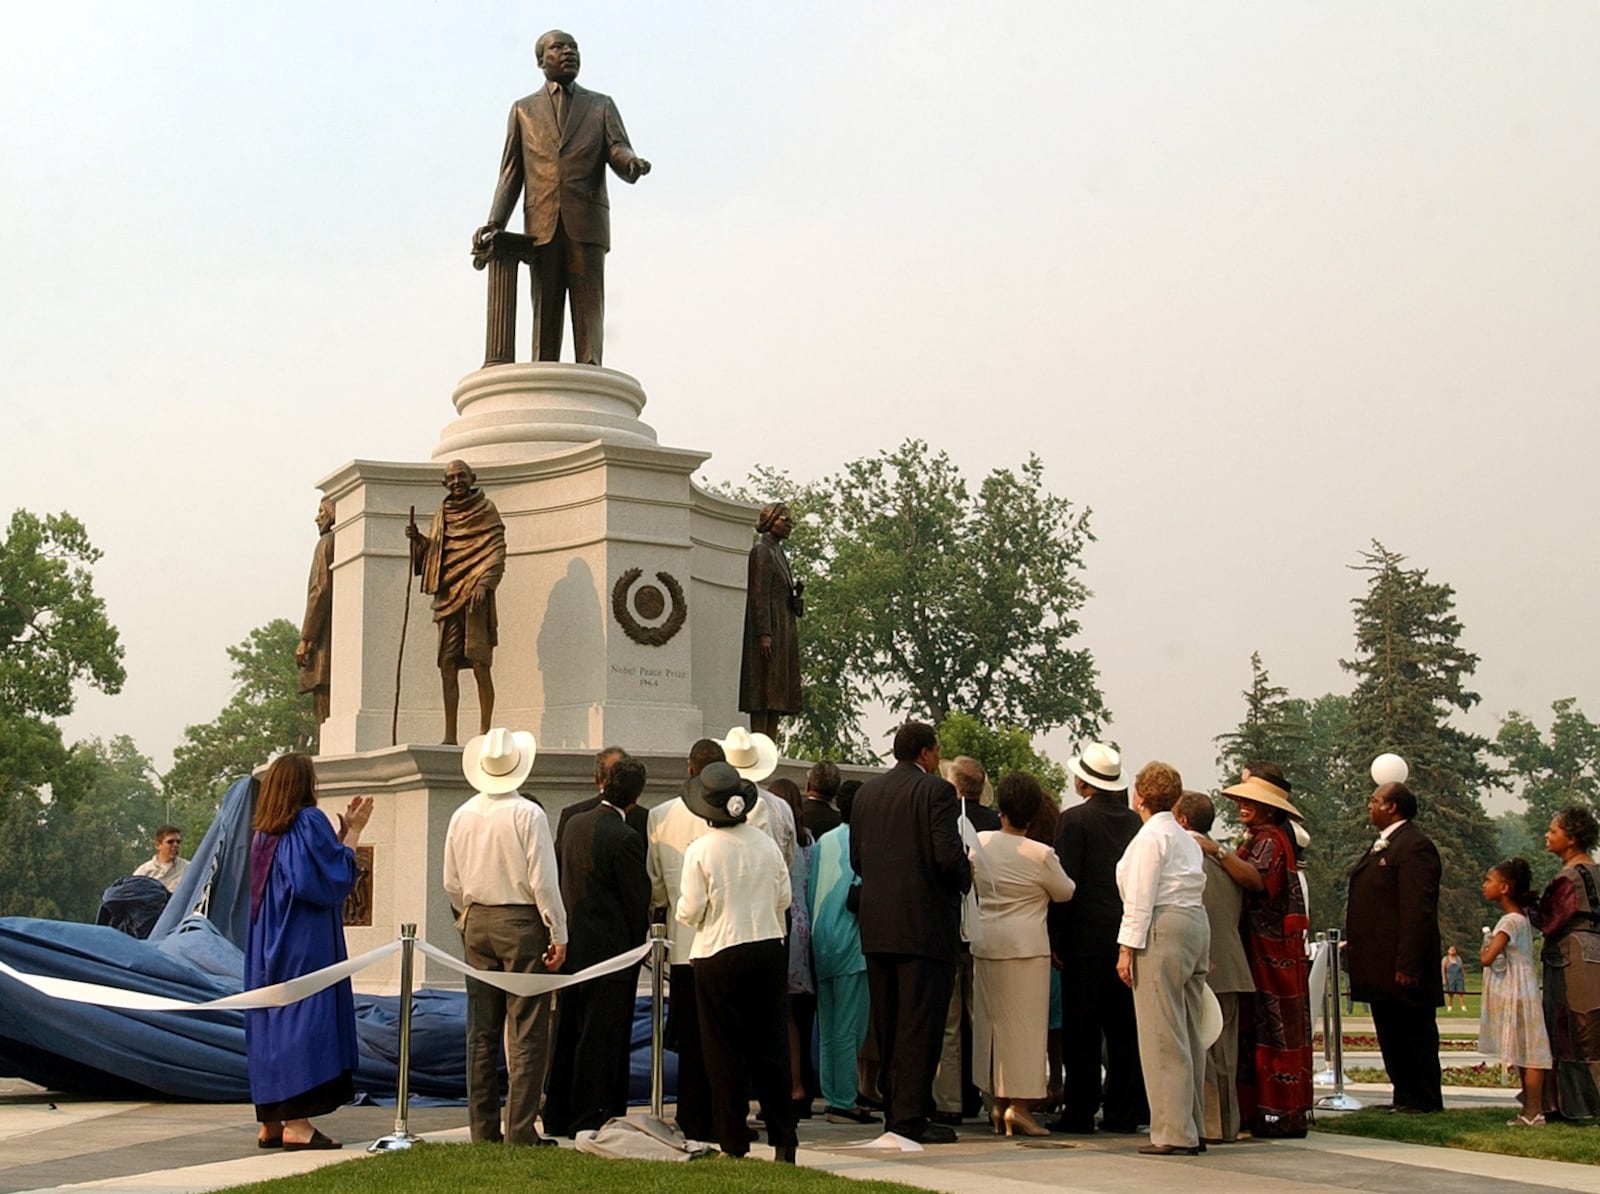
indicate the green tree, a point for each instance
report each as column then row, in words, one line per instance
column 927, row 597
column 1549, row 774
column 1274, row 728
column 265, row 716
column 1411, row 672
column 53, row 636
column 1001, row 750
column 97, row 825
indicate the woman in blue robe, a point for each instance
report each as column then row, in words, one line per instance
column 301, row 1058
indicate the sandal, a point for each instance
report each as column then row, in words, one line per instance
column 318, row 1141
column 1522, row 1121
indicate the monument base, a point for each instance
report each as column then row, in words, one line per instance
column 622, row 606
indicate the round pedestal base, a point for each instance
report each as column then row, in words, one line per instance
column 512, row 413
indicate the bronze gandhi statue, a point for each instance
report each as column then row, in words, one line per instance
column 769, row 673
column 316, row 627
column 461, row 560
column 559, row 141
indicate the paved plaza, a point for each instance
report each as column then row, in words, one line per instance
column 54, row 1143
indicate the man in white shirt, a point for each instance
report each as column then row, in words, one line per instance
column 166, row 867
column 1164, row 944
column 500, row 875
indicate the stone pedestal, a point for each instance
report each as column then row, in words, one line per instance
column 622, row 606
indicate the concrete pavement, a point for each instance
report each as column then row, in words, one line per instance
column 55, row 1144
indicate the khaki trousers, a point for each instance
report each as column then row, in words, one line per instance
column 1169, row 981
column 511, row 938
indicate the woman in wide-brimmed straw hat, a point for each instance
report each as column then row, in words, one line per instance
column 1275, row 1094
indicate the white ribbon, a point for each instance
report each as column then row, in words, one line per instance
column 275, row 995
column 535, row 984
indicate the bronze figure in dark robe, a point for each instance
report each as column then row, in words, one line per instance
column 769, row 673
column 316, row 627
column 461, row 561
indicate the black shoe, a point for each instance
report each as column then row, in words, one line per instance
column 1072, row 1127
column 1168, row 1150
column 850, row 1115
column 950, row 1119
column 926, row 1133
column 784, row 1154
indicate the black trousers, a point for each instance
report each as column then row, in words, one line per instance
column 1408, row 1037
column 910, row 1001
column 745, row 1034
column 683, row 1038
column 568, row 273
column 1097, row 1007
column 589, row 1059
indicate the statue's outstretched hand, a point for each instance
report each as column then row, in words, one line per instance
column 637, row 169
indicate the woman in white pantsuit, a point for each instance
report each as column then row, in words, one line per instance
column 1015, row 879
column 1165, row 942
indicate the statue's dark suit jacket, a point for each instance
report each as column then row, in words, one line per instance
column 1392, row 921
column 562, row 172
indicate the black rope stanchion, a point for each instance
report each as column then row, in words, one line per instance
column 401, row 1137
column 1338, row 1100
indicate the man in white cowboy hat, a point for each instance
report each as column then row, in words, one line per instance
column 500, row 875
column 1090, row 839
column 755, row 757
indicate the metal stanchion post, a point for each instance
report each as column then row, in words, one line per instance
column 401, row 1137
column 658, row 964
column 1324, row 1076
column 1338, row 1100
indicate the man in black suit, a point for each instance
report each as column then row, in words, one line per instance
column 606, row 889
column 1095, row 1004
column 638, row 817
column 817, row 812
column 906, row 847
column 1392, row 925
column 559, row 141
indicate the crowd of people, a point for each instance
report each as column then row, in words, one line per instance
column 1109, row 961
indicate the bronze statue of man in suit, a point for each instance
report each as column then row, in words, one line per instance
column 559, row 141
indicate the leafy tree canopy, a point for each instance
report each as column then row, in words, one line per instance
column 265, row 716
column 927, row 596
column 53, row 636
column 1549, row 773
column 97, row 826
column 1001, row 750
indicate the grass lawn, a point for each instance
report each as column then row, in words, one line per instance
column 1490, row 1076
column 1477, row 1129
column 480, row 1168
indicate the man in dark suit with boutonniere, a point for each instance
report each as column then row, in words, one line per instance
column 905, row 844
column 1392, row 924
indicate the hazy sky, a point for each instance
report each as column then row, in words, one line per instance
column 1259, row 282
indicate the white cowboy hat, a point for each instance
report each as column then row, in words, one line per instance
column 498, row 761
column 754, row 756
column 1099, row 766
column 1210, row 1017
column 1263, row 791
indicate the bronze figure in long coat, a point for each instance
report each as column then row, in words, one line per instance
column 769, row 674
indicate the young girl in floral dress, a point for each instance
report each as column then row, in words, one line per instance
column 1511, row 1024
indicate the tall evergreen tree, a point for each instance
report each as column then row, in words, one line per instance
column 1411, row 672
column 1274, row 728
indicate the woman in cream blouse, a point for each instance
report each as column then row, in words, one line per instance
column 1015, row 879
column 735, row 891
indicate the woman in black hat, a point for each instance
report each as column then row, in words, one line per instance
column 735, row 892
